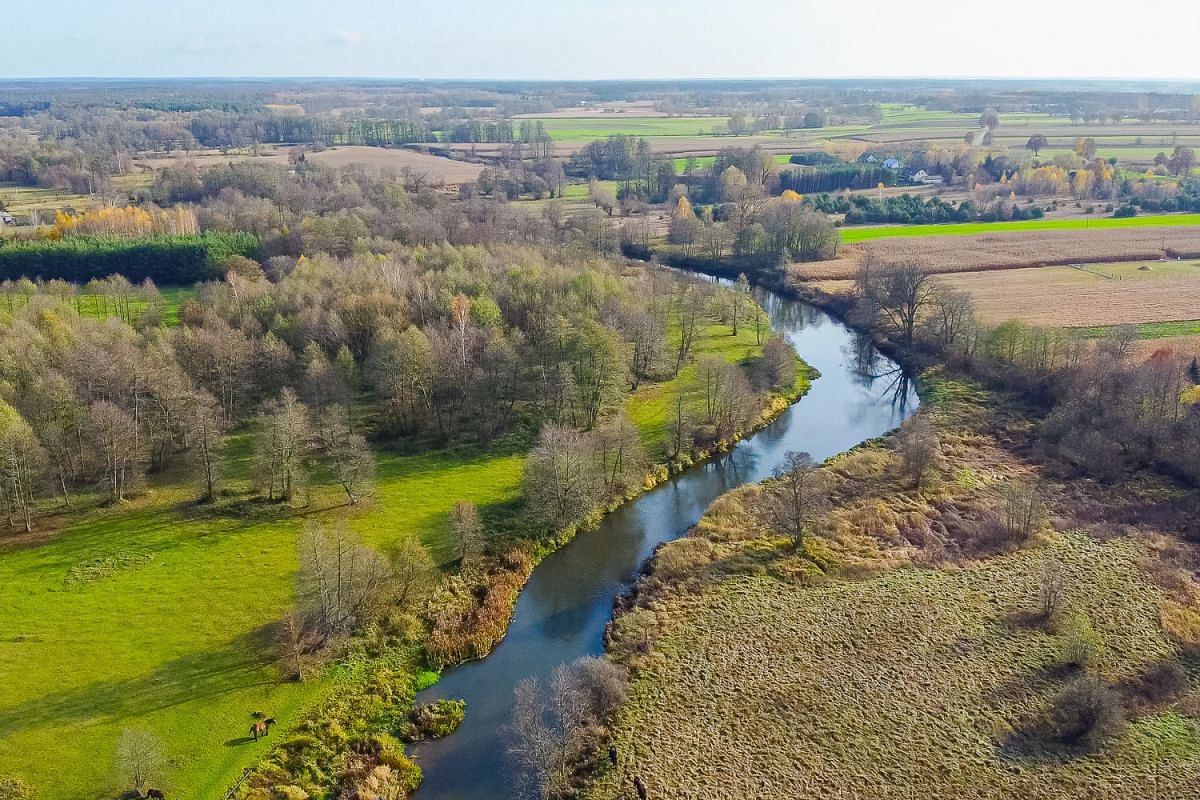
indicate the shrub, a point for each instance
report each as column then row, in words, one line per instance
column 1087, row 712
column 14, row 789
column 435, row 720
column 1160, row 682
column 1081, row 642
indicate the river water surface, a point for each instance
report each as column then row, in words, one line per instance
column 561, row 613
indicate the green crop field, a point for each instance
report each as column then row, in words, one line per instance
column 586, row 128
column 1149, row 330
column 159, row 615
column 704, row 162
column 864, row 233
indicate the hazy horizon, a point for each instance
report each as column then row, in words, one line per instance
column 623, row 40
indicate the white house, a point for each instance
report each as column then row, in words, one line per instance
column 892, row 163
column 923, row 177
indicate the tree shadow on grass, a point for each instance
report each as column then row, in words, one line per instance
column 193, row 677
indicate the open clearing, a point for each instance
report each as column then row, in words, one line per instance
column 899, row 686
column 1065, row 296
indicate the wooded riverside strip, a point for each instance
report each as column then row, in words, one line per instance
column 167, row 260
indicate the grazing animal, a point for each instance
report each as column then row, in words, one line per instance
column 639, row 787
column 612, row 754
column 262, row 728
column 155, row 794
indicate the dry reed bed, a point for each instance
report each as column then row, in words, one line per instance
column 1010, row 250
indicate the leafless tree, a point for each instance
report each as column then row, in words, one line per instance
column 917, row 445
column 340, row 580
column 282, row 439
column 797, row 496
column 113, row 434
column 297, row 640
column 140, row 759
column 560, row 480
column 352, row 461
column 468, row 532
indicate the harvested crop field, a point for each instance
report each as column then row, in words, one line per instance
column 1011, row 250
column 1063, row 296
column 907, row 685
column 435, row 168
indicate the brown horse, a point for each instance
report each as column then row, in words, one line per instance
column 262, row 728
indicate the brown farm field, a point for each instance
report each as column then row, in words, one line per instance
column 435, row 168
column 1092, row 295
column 1010, row 250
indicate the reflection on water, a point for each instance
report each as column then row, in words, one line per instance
column 561, row 614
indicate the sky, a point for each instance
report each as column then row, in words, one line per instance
column 599, row 39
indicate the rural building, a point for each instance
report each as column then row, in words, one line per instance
column 923, row 177
column 867, row 158
column 7, row 219
column 892, row 163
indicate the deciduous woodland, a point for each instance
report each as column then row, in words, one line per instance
column 299, row 380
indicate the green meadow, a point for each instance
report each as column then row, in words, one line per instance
column 159, row 614
column 864, row 233
column 594, row 127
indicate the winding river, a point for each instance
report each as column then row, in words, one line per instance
column 562, row 611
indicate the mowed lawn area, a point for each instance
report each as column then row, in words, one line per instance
column 161, row 616
column 864, row 233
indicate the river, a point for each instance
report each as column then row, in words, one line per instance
column 561, row 614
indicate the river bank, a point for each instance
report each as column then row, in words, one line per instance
column 567, row 601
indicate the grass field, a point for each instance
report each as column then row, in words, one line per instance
column 704, row 162
column 568, row 129
column 899, row 686
column 181, row 644
column 90, row 305
column 159, row 615
column 864, row 233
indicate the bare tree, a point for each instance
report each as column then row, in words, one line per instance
column 351, row 458
column 560, row 481
column 297, row 640
column 468, row 532
column 918, row 447
column 114, row 434
column 797, row 496
column 412, row 570
column 281, row 441
column 340, row 580
column 1023, row 510
column 553, row 731
column 22, row 462
column 206, row 426
column 897, row 296
column 140, row 759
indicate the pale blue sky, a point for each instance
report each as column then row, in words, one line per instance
column 587, row 39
